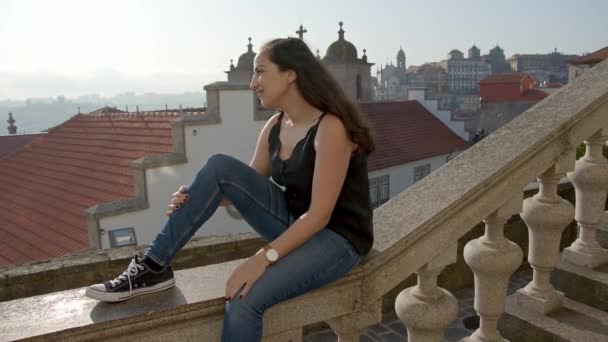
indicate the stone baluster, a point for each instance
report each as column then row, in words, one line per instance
column 546, row 215
column 493, row 259
column 426, row 309
column 349, row 328
column 590, row 179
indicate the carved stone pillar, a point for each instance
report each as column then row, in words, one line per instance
column 426, row 309
column 349, row 328
column 590, row 179
column 546, row 215
column 493, row 259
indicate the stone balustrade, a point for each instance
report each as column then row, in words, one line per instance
column 415, row 232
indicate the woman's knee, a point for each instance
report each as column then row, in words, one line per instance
column 218, row 164
column 218, row 160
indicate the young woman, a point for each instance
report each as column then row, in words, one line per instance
column 318, row 228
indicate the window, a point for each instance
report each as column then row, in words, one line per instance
column 123, row 237
column 421, row 172
column 379, row 190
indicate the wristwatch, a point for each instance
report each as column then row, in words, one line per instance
column 272, row 255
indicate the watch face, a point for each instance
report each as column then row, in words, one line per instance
column 272, row 255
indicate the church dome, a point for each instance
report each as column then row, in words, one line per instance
column 341, row 50
column 246, row 60
column 497, row 49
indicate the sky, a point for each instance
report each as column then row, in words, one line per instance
column 70, row 48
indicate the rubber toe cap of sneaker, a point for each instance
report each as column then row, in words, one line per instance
column 98, row 287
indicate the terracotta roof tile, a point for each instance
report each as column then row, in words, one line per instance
column 406, row 131
column 45, row 188
column 592, row 58
column 11, row 144
column 534, row 94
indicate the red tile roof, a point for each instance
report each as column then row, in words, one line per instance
column 555, row 85
column 406, row 131
column 533, row 95
column 513, row 77
column 107, row 110
column 11, row 144
column 85, row 161
column 592, row 58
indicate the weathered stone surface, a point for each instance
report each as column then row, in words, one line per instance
column 588, row 286
column 573, row 322
column 91, row 267
column 198, row 297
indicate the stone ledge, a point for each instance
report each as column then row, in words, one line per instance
column 573, row 322
column 225, row 85
column 588, row 286
column 198, row 296
column 151, row 162
column 194, row 120
column 89, row 267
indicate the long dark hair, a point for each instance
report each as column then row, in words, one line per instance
column 319, row 87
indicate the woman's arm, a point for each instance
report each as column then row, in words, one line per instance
column 333, row 150
column 261, row 157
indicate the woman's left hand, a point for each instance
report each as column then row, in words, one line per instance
column 246, row 274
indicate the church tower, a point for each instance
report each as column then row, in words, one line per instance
column 401, row 59
column 243, row 72
column 351, row 72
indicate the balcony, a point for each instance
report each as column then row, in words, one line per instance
column 416, row 232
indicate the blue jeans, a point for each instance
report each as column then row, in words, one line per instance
column 325, row 257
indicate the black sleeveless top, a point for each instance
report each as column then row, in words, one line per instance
column 352, row 214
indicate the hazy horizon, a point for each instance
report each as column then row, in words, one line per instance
column 71, row 48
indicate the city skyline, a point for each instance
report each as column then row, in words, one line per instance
column 73, row 48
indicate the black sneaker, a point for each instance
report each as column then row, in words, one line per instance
column 138, row 279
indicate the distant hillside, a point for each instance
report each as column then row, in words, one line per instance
column 38, row 114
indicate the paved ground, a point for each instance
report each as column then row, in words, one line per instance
column 392, row 330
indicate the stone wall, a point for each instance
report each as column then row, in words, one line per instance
column 83, row 269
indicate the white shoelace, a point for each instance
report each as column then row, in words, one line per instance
column 131, row 271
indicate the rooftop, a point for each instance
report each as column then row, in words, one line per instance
column 592, row 58
column 83, row 162
column 11, row 144
column 406, row 131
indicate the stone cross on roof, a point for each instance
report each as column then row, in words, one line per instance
column 301, row 32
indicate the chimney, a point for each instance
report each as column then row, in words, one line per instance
column 12, row 129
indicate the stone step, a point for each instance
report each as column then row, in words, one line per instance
column 574, row 321
column 582, row 284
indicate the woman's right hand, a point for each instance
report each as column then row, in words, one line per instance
column 180, row 197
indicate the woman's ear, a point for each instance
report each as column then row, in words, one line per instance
column 291, row 76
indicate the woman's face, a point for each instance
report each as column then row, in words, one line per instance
column 269, row 83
